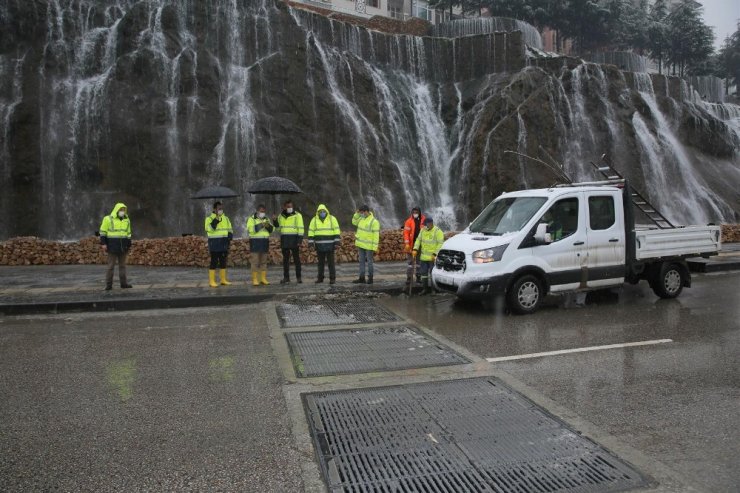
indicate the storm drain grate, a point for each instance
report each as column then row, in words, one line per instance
column 459, row 435
column 309, row 313
column 337, row 352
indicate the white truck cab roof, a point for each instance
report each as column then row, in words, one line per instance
column 557, row 191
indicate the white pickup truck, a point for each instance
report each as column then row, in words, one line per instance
column 529, row 243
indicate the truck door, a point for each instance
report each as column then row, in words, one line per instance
column 565, row 256
column 606, row 240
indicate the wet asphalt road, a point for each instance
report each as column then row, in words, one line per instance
column 191, row 399
column 159, row 400
column 677, row 402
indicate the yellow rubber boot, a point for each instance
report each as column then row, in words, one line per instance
column 212, row 278
column 255, row 279
column 263, row 280
column 224, row 281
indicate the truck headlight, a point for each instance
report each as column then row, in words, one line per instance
column 489, row 254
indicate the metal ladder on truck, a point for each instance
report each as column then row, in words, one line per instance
column 638, row 199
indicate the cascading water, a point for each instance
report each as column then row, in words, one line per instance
column 486, row 25
column 146, row 102
column 668, row 162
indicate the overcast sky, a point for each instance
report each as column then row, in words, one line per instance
column 723, row 15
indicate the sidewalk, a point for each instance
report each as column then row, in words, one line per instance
column 54, row 288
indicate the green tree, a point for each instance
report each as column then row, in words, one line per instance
column 658, row 32
column 586, row 23
column 728, row 60
column 690, row 41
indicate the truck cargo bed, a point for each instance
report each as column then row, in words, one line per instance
column 690, row 241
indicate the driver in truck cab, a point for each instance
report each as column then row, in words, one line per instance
column 554, row 227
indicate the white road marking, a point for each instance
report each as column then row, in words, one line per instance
column 577, row 350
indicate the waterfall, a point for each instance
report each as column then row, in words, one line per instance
column 147, row 101
column 667, row 162
column 625, row 60
column 11, row 70
column 487, row 25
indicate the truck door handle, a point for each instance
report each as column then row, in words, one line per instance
column 578, row 243
column 613, row 240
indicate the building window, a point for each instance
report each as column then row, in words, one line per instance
column 373, row 3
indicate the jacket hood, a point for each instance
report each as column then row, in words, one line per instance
column 320, row 208
column 117, row 208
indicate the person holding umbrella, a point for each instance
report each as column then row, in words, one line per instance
column 220, row 233
column 259, row 228
column 290, row 224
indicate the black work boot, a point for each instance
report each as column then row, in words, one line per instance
column 298, row 280
column 369, row 279
column 285, row 280
column 361, row 280
column 425, row 285
column 108, row 287
column 418, row 279
column 126, row 286
column 319, row 280
column 332, row 281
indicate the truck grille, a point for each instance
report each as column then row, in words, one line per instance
column 451, row 260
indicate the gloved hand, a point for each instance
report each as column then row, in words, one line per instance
column 407, row 249
column 414, row 253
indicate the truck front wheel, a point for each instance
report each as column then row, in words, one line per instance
column 668, row 281
column 525, row 295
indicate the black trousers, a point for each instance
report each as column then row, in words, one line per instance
column 286, row 262
column 326, row 257
column 218, row 260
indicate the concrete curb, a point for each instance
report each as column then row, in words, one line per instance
column 718, row 264
column 126, row 304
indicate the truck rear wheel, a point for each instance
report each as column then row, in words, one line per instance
column 525, row 295
column 668, row 281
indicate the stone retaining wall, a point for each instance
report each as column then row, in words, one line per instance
column 193, row 250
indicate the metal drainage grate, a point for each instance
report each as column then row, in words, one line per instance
column 459, row 435
column 308, row 313
column 337, row 352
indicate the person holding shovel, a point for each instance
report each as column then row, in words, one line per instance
column 426, row 247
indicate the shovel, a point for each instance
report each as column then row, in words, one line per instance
column 413, row 273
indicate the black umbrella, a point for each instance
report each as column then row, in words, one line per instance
column 215, row 192
column 273, row 185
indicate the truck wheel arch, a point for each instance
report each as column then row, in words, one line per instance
column 529, row 270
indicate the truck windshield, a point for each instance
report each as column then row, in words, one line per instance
column 506, row 215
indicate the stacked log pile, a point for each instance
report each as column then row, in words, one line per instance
column 193, row 250
column 730, row 233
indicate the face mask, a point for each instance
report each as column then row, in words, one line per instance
column 289, row 210
column 260, row 215
column 322, row 215
column 416, row 216
column 121, row 214
column 220, row 212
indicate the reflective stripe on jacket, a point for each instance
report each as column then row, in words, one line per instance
column 368, row 231
column 324, row 234
column 291, row 229
column 409, row 230
column 220, row 236
column 429, row 242
column 115, row 232
column 259, row 234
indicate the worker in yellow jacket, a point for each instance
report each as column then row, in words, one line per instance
column 220, row 233
column 367, row 240
column 115, row 240
column 426, row 246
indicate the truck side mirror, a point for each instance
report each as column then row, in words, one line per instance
column 541, row 236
